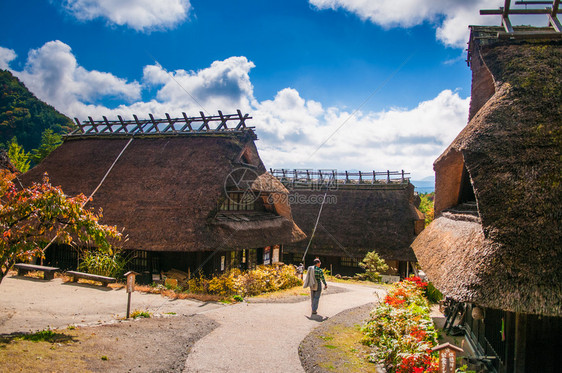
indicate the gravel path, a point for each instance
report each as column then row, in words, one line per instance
column 265, row 337
column 29, row 304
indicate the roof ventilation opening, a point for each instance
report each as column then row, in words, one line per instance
column 467, row 198
column 247, row 158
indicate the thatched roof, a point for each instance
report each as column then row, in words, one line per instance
column 511, row 149
column 355, row 221
column 166, row 189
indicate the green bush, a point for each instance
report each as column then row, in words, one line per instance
column 104, row 263
column 433, row 294
column 373, row 265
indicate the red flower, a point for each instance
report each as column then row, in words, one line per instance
column 417, row 280
column 418, row 333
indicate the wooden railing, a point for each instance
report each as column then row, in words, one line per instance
column 168, row 125
column 334, row 179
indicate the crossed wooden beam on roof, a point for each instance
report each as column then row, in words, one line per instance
column 506, row 10
column 168, row 125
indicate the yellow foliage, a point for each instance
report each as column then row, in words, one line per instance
column 263, row 279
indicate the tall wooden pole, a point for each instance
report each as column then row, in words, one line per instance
column 520, row 342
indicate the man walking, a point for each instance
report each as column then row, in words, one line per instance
column 314, row 280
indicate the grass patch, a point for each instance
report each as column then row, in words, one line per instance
column 136, row 314
column 42, row 336
column 345, row 352
column 45, row 350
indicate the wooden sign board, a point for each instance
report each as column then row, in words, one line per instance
column 447, row 357
column 131, row 281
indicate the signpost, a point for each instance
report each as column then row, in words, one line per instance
column 447, row 357
column 130, row 288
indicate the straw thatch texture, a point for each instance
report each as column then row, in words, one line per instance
column 512, row 151
column 165, row 191
column 359, row 220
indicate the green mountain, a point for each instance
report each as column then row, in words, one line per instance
column 25, row 116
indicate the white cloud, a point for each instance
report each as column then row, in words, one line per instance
column 6, row 56
column 225, row 84
column 141, row 15
column 451, row 17
column 291, row 128
column 53, row 74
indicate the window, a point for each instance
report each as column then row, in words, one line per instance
column 239, row 201
column 348, row 262
column 139, row 261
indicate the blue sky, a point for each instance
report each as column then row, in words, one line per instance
column 300, row 68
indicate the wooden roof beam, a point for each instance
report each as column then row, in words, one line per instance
column 498, row 12
column 242, row 123
column 80, row 126
column 123, row 125
column 187, row 123
column 154, row 124
column 506, row 23
column 139, row 126
column 223, row 121
column 505, row 11
column 107, row 126
column 170, row 125
column 553, row 16
column 205, row 124
column 94, row 126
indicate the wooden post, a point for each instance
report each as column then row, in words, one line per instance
column 130, row 288
column 447, row 357
column 520, row 342
column 388, row 176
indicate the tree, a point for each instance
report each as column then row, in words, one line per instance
column 18, row 156
column 49, row 142
column 25, row 116
column 373, row 265
column 426, row 206
column 31, row 217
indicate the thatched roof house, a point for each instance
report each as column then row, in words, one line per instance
column 358, row 216
column 497, row 240
column 508, row 159
column 176, row 187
